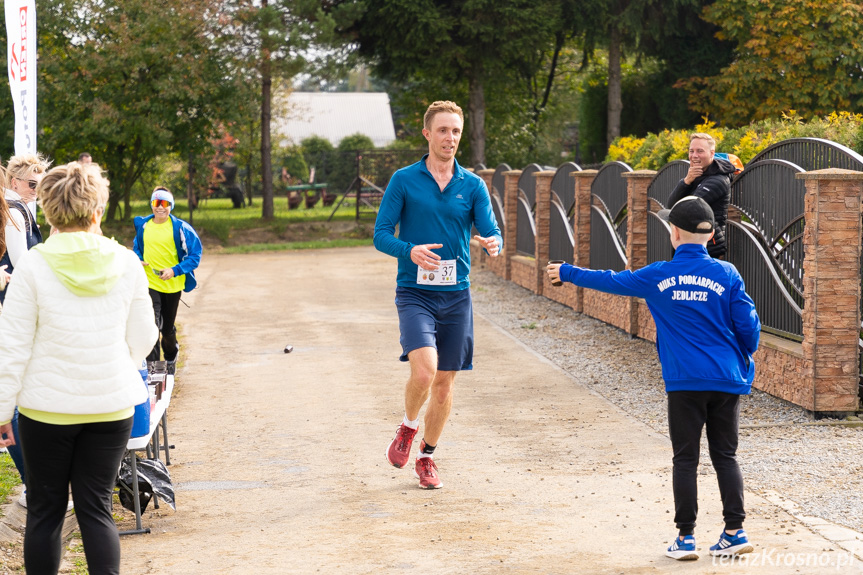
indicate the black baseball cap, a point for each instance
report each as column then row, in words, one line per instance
column 691, row 214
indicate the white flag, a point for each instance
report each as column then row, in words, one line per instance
column 21, row 56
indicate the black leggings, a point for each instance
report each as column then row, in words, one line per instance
column 87, row 456
column 165, row 307
column 688, row 413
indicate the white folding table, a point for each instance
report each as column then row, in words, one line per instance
column 158, row 418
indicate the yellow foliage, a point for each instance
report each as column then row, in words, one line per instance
column 791, row 117
column 751, row 143
column 679, row 145
column 624, row 148
column 842, row 118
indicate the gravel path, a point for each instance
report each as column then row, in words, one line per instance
column 818, row 467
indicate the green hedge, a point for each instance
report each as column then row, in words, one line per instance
column 655, row 150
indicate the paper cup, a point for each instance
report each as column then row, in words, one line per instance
column 558, row 282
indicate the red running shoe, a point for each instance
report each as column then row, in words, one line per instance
column 399, row 450
column 426, row 472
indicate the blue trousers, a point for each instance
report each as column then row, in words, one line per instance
column 15, row 450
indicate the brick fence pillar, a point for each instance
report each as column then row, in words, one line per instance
column 831, row 268
column 481, row 256
column 636, row 231
column 543, row 217
column 510, row 209
column 581, row 227
column 486, row 176
column 636, row 206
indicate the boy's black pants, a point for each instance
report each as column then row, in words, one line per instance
column 688, row 413
column 165, row 308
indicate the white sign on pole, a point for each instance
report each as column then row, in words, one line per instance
column 21, row 57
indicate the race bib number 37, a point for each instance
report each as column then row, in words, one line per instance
column 444, row 275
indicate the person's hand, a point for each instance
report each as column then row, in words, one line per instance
column 695, row 171
column 143, row 263
column 6, row 430
column 4, row 277
column 166, row 274
column 490, row 245
column 423, row 256
column 553, row 271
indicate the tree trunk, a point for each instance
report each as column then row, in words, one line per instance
column 249, row 159
column 116, row 190
column 190, row 188
column 615, row 104
column 248, row 182
column 476, row 117
column 133, row 172
column 268, row 211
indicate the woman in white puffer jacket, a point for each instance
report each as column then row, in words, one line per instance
column 76, row 324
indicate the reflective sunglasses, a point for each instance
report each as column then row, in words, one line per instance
column 160, row 204
column 30, row 183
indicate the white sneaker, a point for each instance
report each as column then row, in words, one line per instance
column 22, row 501
column 70, row 506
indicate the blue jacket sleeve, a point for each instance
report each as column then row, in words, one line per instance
column 626, row 283
column 483, row 216
column 747, row 326
column 389, row 214
column 137, row 246
column 193, row 251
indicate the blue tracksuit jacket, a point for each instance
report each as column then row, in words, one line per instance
column 186, row 241
column 706, row 325
column 427, row 215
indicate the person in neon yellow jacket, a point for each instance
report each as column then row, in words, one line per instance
column 170, row 250
column 76, row 324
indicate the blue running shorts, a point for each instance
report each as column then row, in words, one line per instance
column 439, row 319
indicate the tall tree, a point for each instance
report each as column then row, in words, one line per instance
column 457, row 46
column 642, row 27
column 803, row 55
column 127, row 81
column 277, row 39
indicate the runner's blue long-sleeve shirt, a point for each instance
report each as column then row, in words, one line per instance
column 706, row 325
column 426, row 215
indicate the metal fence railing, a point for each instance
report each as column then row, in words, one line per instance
column 779, row 312
column 526, row 211
column 771, row 200
column 561, row 239
column 606, row 251
column 497, row 194
column 608, row 198
column 812, row 154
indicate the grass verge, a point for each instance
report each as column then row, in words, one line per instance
column 9, row 478
column 219, row 219
column 313, row 245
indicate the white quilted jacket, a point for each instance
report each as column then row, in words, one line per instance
column 75, row 354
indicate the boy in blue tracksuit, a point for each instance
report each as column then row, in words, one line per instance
column 706, row 332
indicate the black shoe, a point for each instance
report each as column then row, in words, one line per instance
column 172, row 367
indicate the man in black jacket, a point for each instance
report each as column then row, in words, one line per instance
column 708, row 178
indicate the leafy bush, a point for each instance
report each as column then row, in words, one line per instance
column 293, row 160
column 344, row 165
column 318, row 153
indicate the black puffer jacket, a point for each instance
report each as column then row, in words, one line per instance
column 714, row 187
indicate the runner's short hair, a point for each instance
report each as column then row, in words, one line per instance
column 441, row 106
column 702, row 136
column 71, row 194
